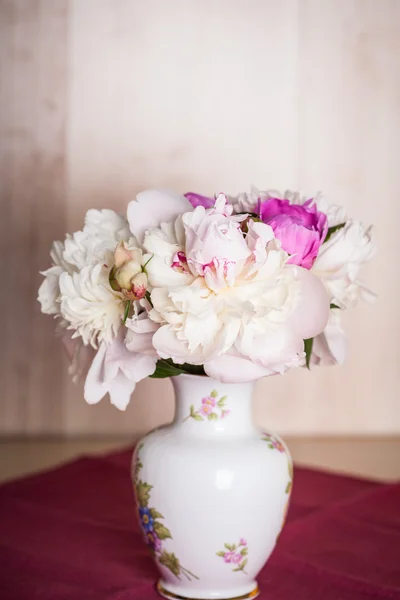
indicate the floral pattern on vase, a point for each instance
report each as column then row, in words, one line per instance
column 235, row 554
column 211, row 408
column 154, row 531
column 275, row 444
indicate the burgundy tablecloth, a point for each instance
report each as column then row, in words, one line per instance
column 70, row 534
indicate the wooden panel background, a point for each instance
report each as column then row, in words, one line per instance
column 102, row 98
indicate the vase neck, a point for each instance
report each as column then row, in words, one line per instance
column 209, row 408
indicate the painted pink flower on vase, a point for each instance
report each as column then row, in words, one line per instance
column 228, row 557
column 237, row 558
column 242, row 542
column 205, row 410
column 209, row 400
column 301, row 228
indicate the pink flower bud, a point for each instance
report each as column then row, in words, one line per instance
column 139, row 286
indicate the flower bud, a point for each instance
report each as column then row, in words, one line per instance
column 139, row 286
column 123, row 254
column 125, row 274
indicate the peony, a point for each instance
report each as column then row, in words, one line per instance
column 339, row 261
column 90, row 305
column 237, row 307
column 301, row 228
column 76, row 287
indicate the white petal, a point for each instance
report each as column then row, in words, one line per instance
column 234, row 369
column 120, row 391
column 95, row 387
column 312, row 311
column 153, row 207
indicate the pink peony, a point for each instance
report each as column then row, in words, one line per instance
column 242, row 542
column 301, row 228
column 198, row 200
column 214, row 239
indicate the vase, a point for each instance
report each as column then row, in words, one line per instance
column 212, row 492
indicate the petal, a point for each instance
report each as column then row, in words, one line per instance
column 95, row 387
column 199, row 200
column 168, row 346
column 311, row 314
column 228, row 368
column 153, row 207
column 330, row 347
column 120, row 390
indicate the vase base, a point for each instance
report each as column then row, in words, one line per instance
column 161, row 589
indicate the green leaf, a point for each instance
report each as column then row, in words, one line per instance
column 221, row 402
column 220, row 553
column 290, row 468
column 244, row 551
column 236, row 570
column 192, row 410
column 162, row 532
column 288, row 488
column 332, row 230
column 213, row 417
column 214, row 394
column 228, row 547
column 126, row 313
column 334, row 306
column 143, row 493
column 155, row 514
column 243, row 564
column 167, row 368
column 147, row 262
column 169, row 560
column 308, row 345
column 197, row 417
column 271, row 446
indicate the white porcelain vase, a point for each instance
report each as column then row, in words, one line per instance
column 212, row 492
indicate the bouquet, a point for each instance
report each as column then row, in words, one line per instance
column 233, row 287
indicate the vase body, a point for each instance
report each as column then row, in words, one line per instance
column 212, row 492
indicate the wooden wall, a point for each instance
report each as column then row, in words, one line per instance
column 102, row 98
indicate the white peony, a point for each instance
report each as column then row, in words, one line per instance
column 220, row 298
column 76, row 286
column 339, row 262
column 90, row 306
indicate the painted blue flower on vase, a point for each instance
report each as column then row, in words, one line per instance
column 146, row 519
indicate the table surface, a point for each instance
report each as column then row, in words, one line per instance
column 374, row 457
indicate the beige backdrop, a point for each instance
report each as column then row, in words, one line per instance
column 102, row 98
